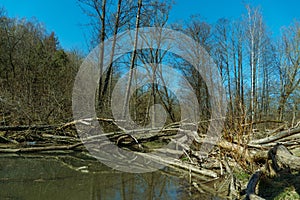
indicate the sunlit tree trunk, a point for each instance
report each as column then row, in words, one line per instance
column 132, row 62
column 108, row 78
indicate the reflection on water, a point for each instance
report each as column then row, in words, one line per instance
column 66, row 177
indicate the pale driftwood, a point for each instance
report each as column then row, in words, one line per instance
column 295, row 137
column 59, row 137
column 236, row 149
column 141, row 135
column 289, row 141
column 137, row 133
column 181, row 165
column 192, row 168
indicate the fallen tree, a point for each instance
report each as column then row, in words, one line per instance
column 278, row 136
column 40, row 149
column 280, row 161
column 271, row 150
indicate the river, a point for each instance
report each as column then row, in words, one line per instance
column 55, row 177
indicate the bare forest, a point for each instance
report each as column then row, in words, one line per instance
column 260, row 74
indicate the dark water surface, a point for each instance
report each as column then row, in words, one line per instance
column 65, row 177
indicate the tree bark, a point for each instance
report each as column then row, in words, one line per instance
column 251, row 186
column 133, row 57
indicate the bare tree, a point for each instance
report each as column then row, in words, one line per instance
column 289, row 66
column 96, row 9
column 133, row 58
column 255, row 31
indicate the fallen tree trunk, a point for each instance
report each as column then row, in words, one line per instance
column 282, row 161
column 282, row 158
column 236, row 149
column 41, row 149
column 181, row 165
column 276, row 137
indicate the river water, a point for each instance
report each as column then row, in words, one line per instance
column 56, row 177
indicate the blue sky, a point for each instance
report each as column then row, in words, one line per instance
column 65, row 18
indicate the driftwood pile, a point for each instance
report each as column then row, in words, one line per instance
column 268, row 156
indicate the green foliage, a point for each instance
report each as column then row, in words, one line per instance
column 288, row 194
column 241, row 175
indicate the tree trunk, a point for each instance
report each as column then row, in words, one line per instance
column 101, row 50
column 133, row 57
column 109, row 71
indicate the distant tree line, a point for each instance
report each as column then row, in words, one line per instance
column 36, row 74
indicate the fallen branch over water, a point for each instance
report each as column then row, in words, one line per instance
column 180, row 164
column 40, row 149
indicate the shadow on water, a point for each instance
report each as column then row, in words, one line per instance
column 73, row 177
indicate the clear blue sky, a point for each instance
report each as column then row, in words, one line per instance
column 65, row 18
